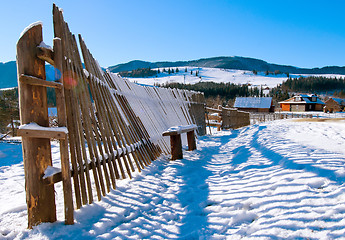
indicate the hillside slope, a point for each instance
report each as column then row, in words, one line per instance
column 239, row 63
column 219, row 75
column 8, row 71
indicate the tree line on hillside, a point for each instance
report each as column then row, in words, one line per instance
column 140, row 72
column 219, row 93
column 313, row 84
column 276, row 72
column 148, row 72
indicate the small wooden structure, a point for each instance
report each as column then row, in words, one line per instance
column 334, row 105
column 226, row 118
column 106, row 125
column 176, row 142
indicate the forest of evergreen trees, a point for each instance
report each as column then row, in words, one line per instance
column 140, row 72
column 148, row 72
column 313, row 84
column 219, row 93
column 8, row 108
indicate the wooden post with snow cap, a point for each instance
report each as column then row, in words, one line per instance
column 40, row 198
column 175, row 139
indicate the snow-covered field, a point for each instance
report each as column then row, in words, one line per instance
column 277, row 180
column 221, row 75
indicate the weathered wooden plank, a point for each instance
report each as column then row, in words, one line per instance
column 40, row 198
column 103, row 128
column 30, row 133
column 191, row 141
column 59, row 31
column 39, row 82
column 88, row 112
column 57, row 177
column 62, row 122
column 116, row 131
column 176, row 147
column 46, row 54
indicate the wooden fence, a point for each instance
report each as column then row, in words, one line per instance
column 226, row 118
column 107, row 127
column 265, row 117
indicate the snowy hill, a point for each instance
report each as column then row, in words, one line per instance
column 220, row 75
column 235, row 62
column 224, row 69
column 277, row 180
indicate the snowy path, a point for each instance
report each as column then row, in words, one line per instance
column 270, row 181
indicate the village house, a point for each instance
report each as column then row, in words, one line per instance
column 334, row 105
column 254, row 104
column 302, row 103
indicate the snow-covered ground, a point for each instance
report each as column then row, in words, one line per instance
column 277, row 180
column 221, row 75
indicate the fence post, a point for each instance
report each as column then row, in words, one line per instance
column 62, row 122
column 191, row 141
column 222, row 117
column 40, row 197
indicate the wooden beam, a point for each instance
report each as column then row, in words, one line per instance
column 57, row 177
column 33, row 133
column 39, row 82
column 46, row 54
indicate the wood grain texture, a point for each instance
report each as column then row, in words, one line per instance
column 40, row 198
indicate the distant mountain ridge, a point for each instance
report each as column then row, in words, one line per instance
column 8, row 70
column 8, row 74
column 239, row 63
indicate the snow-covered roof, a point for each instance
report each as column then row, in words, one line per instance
column 308, row 99
column 339, row 101
column 303, row 99
column 253, row 102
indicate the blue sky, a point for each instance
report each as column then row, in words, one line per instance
column 302, row 33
